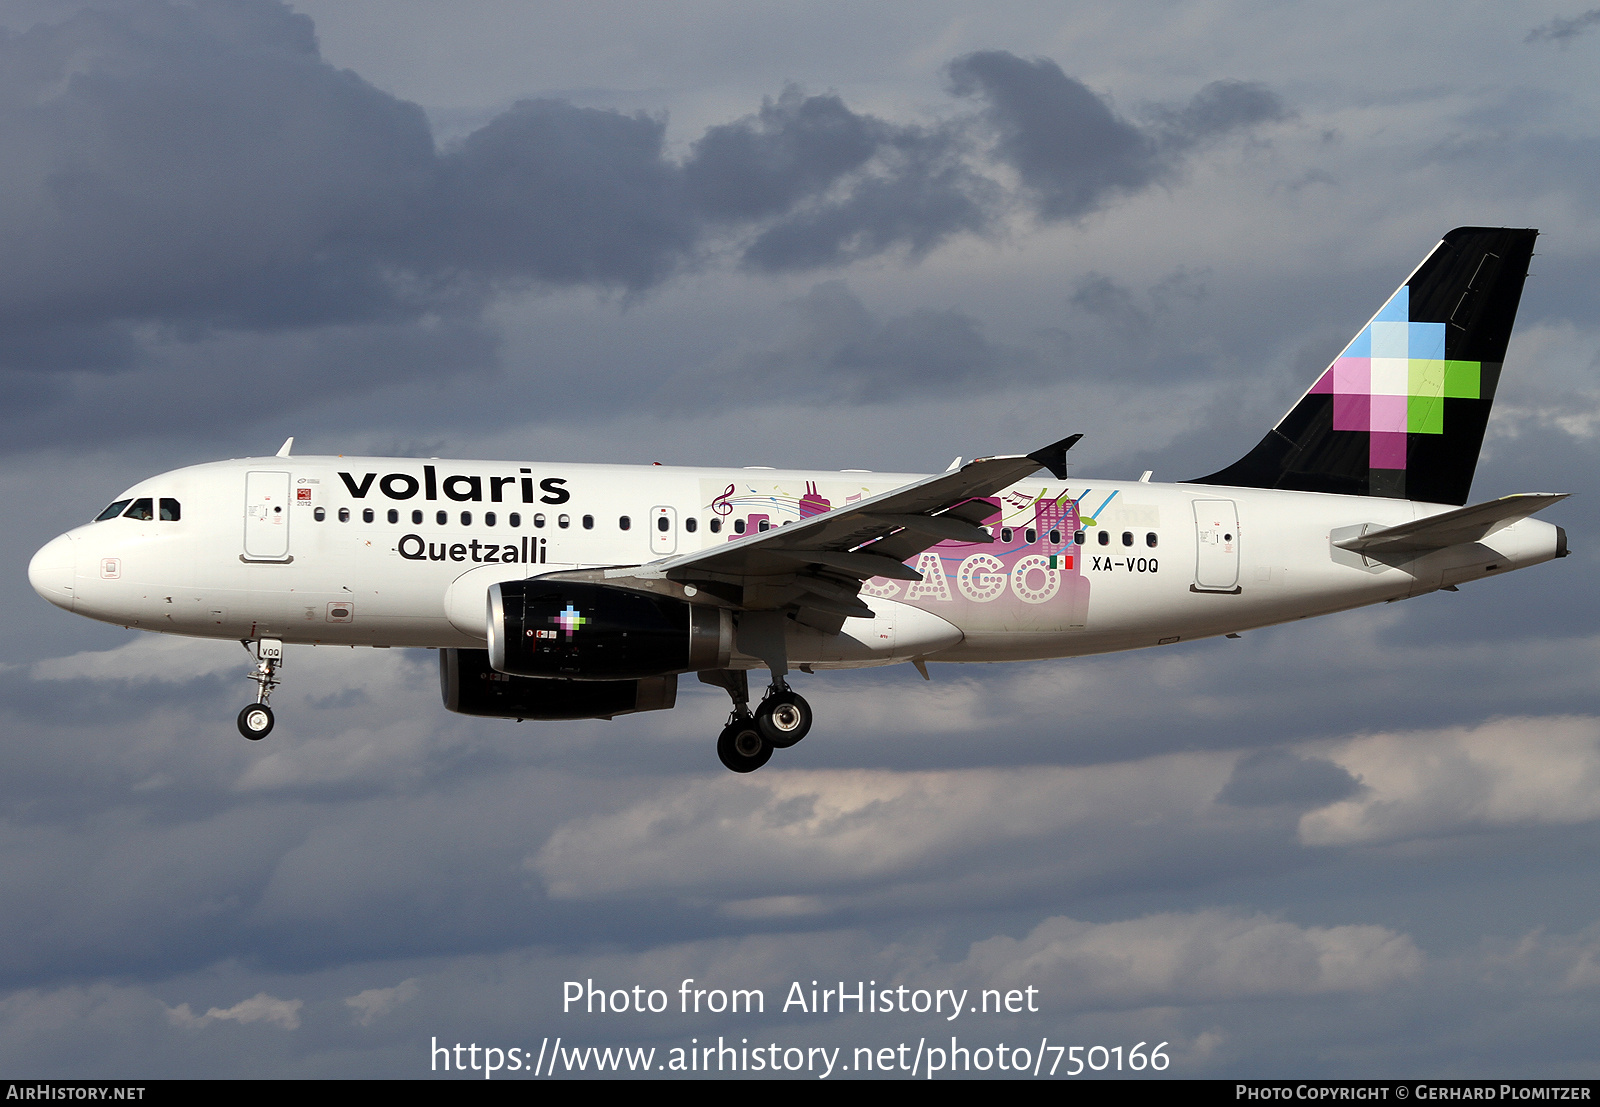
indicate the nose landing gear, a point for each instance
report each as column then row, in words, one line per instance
column 256, row 720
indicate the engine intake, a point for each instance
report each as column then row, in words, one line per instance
column 581, row 631
column 471, row 687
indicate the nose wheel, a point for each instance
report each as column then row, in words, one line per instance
column 256, row 719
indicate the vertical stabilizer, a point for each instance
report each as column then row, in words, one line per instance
column 1401, row 412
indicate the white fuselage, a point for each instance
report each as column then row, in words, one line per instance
column 401, row 552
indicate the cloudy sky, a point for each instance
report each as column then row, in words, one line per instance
column 808, row 234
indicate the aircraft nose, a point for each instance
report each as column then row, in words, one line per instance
column 52, row 569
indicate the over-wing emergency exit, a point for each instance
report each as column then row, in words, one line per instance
column 558, row 591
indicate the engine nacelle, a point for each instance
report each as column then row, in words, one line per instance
column 581, row 631
column 471, row 687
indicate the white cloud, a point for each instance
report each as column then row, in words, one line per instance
column 787, row 832
column 1506, row 772
column 1199, row 957
column 161, row 657
column 377, row 1002
column 258, row 1008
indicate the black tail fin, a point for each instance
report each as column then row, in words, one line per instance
column 1401, row 412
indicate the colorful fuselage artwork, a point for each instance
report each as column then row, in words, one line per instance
column 1030, row 573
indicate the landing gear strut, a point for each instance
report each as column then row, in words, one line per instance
column 747, row 741
column 256, row 720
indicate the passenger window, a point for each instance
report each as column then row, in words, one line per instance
column 1077, row 537
column 538, row 521
column 319, row 514
column 1005, row 534
column 112, row 511
column 416, row 517
column 563, row 521
column 171, row 510
column 441, row 517
column 588, row 522
column 738, row 526
column 716, row 526
column 344, row 515
column 690, row 525
column 366, row 515
column 394, row 516
column 663, row 524
column 141, row 509
column 466, row 518
column 624, row 523
column 1055, row 538
column 1150, row 540
column 1127, row 538
column 488, row 518
column 1105, row 538
column 764, row 526
column 1031, row 535
column 514, row 519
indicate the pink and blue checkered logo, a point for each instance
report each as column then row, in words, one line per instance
column 1393, row 379
column 570, row 620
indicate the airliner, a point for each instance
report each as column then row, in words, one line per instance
column 563, row 591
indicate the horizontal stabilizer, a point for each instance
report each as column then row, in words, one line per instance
column 1452, row 528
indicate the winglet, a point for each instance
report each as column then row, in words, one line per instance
column 284, row 451
column 1054, row 456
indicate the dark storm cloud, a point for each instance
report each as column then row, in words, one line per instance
column 562, row 194
column 1274, row 776
column 839, row 185
column 196, row 164
column 765, row 164
column 835, row 348
column 1063, row 140
column 1218, row 109
column 1564, row 29
column 1101, row 296
column 200, row 168
column 1067, row 145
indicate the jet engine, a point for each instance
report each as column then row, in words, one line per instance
column 575, row 630
column 471, row 687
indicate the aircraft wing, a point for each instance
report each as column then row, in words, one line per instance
column 820, row 562
column 1450, row 528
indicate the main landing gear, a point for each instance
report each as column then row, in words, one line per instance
column 256, row 721
column 747, row 741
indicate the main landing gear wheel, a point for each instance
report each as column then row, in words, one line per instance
column 741, row 746
column 255, row 721
column 784, row 718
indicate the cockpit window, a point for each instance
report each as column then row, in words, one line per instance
column 113, row 511
column 171, row 510
column 142, row 508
